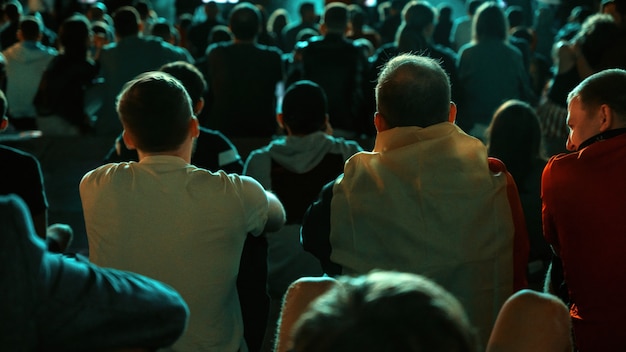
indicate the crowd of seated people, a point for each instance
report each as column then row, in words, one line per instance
column 251, row 147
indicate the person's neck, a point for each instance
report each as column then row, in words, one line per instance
column 183, row 152
column 602, row 136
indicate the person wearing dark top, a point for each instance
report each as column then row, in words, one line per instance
column 243, row 77
column 21, row 175
column 340, row 67
column 443, row 28
column 213, row 151
column 514, row 137
column 198, row 34
column 389, row 26
column 308, row 20
column 62, row 87
column 53, row 302
column 8, row 34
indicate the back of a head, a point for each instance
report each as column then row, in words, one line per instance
column 74, row 35
column 598, row 33
column 490, row 23
column 307, row 11
column 336, row 17
column 30, row 27
column 245, row 21
column 472, row 6
column 163, row 29
column 413, row 90
column 211, row 10
column 445, row 12
column 357, row 16
column 515, row 136
column 304, row 107
column 604, row 87
column 156, row 110
column 126, row 21
column 385, row 311
column 143, row 8
column 13, row 10
column 515, row 16
column 220, row 33
column 191, row 78
column 419, row 14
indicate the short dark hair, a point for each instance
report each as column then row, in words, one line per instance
column 385, row 311
column 604, row 87
column 245, row 21
column 126, row 21
column 413, row 90
column 74, row 35
column 305, row 107
column 191, row 78
column 155, row 109
column 30, row 27
column 336, row 17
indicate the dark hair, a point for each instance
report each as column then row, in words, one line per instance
column 490, row 23
column 277, row 20
column 304, row 107
column 74, row 36
column 336, row 17
column 413, row 90
column 597, row 34
column 13, row 10
column 191, row 78
column 126, row 21
column 385, row 311
column 30, row 27
column 415, row 17
column 143, row 8
column 245, row 21
column 515, row 16
column 155, row 109
column 220, row 33
column 164, row 30
column 514, row 137
column 472, row 6
column 604, row 87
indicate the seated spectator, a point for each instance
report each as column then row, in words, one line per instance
column 52, row 302
column 212, row 150
column 21, row 175
column 124, row 59
column 583, row 205
column 490, row 71
column 295, row 168
column 514, row 137
column 167, row 219
column 25, row 63
column 426, row 200
column 243, row 76
column 60, row 98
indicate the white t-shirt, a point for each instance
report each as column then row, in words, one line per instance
column 182, row 225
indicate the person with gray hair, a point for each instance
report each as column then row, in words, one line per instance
column 583, row 196
column 419, row 202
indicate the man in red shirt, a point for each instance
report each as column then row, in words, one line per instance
column 584, row 202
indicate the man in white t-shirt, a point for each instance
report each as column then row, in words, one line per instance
column 169, row 220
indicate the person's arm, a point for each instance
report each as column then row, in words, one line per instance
column 521, row 246
column 276, row 216
column 531, row 321
column 315, row 230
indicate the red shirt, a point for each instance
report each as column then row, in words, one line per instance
column 584, row 219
